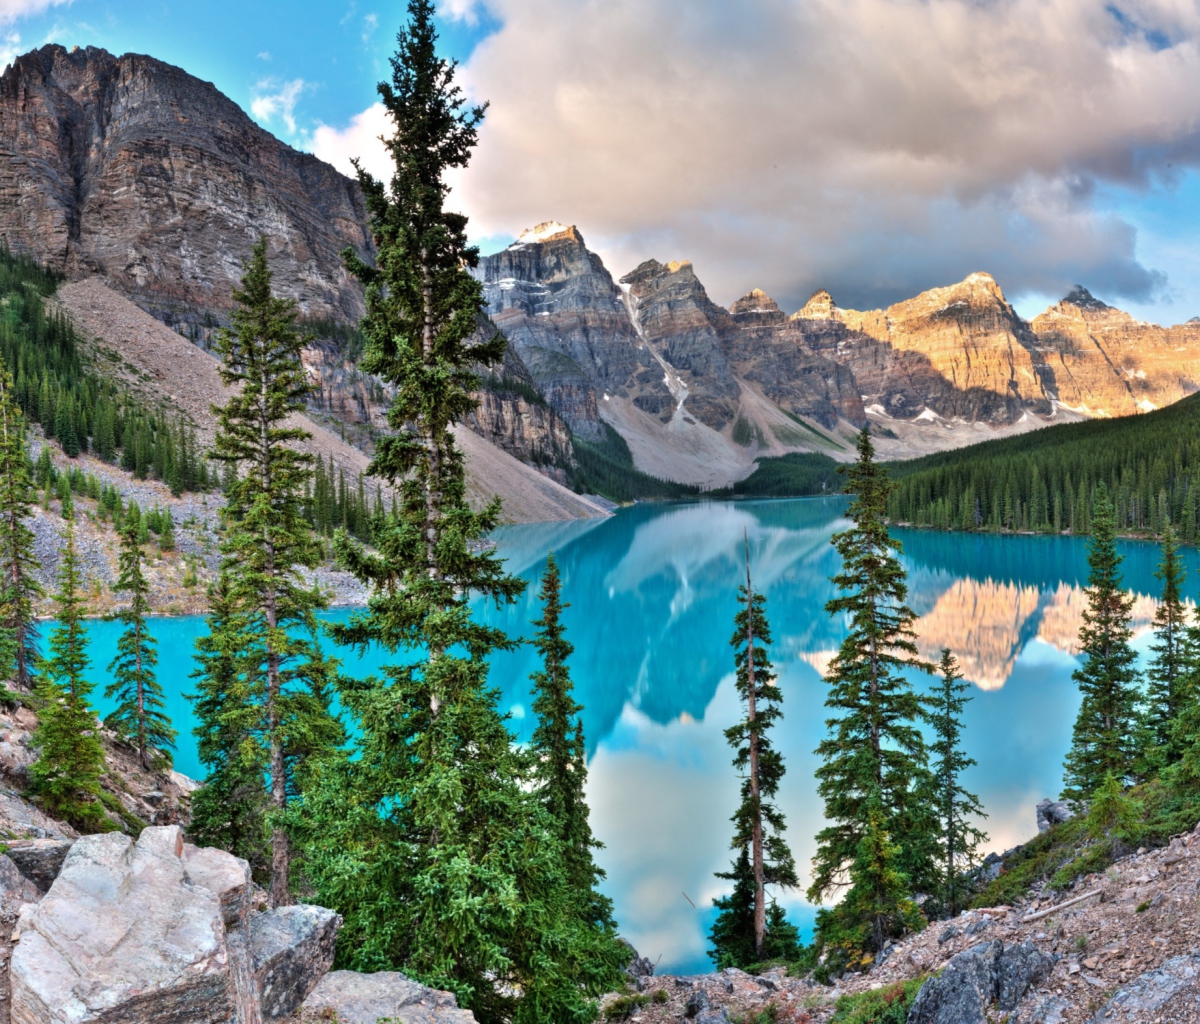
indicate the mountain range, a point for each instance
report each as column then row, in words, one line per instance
column 132, row 172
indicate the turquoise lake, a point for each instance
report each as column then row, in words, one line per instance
column 652, row 594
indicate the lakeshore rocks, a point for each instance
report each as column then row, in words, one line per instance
column 161, row 931
column 353, row 998
column 975, row 979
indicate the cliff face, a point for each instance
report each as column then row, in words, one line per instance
column 132, row 169
column 1103, row 362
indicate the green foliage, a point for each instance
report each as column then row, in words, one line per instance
column 606, row 467
column 1173, row 662
column 1112, row 814
column 427, row 840
column 19, row 587
column 1103, row 741
column 65, row 778
column 887, row 1005
column 791, row 475
column 623, row 1007
column 560, row 771
column 1046, row 480
column 874, row 774
column 284, row 680
column 958, row 838
column 331, row 505
column 138, row 717
column 748, row 930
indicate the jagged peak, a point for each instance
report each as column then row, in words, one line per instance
column 820, row 306
column 1081, row 297
column 1194, row 320
column 677, row 265
column 755, row 301
column 548, row 230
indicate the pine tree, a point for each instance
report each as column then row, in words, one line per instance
column 1105, row 729
column 230, row 809
column 559, row 753
column 1168, row 675
column 65, row 778
column 959, row 839
column 266, row 542
column 138, row 717
column 759, row 824
column 428, row 844
column 875, row 760
column 19, row 588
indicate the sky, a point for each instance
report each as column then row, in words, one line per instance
column 872, row 147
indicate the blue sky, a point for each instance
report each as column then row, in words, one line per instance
column 872, row 147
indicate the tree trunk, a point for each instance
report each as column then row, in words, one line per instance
column 760, row 910
column 141, row 698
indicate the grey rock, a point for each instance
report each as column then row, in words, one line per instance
column 639, row 966
column 1047, row 1011
column 1017, row 970
column 951, row 932
column 1052, row 812
column 292, row 948
column 975, row 979
column 1149, row 992
column 14, row 885
column 366, row 998
column 40, row 860
column 697, row 1003
column 713, row 1017
column 158, row 931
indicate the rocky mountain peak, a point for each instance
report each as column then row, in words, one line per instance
column 755, row 301
column 134, row 170
column 548, row 231
column 820, row 306
column 1079, row 296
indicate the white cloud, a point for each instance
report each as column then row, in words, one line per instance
column 370, row 24
column 460, row 10
column 264, row 55
column 13, row 10
column 871, row 146
column 338, row 146
column 281, row 103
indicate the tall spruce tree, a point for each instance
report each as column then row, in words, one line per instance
column 65, row 778
column 1104, row 738
column 747, row 932
column 267, row 542
column 560, row 755
column 19, row 587
column 875, row 769
column 230, row 809
column 959, row 839
column 1169, row 672
column 441, row 862
column 138, row 717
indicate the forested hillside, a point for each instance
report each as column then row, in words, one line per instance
column 1046, row 481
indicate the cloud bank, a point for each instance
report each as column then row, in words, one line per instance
column 874, row 147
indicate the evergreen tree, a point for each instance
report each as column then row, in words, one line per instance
column 958, row 837
column 65, row 778
column 440, row 861
column 19, row 587
column 138, row 717
column 1105, row 729
column 559, row 753
column 875, row 761
column 759, row 824
column 230, row 809
column 1173, row 655
column 266, row 542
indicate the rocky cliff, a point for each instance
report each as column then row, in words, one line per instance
column 131, row 169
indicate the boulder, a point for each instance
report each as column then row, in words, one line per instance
column 1147, row 996
column 353, row 998
column 977, row 978
column 14, row 886
column 1052, row 812
column 40, row 860
column 160, row 932
column 639, row 966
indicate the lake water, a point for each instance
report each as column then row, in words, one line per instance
column 653, row 593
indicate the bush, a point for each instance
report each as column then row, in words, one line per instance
column 878, row 1006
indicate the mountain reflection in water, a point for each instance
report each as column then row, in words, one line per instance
column 653, row 592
